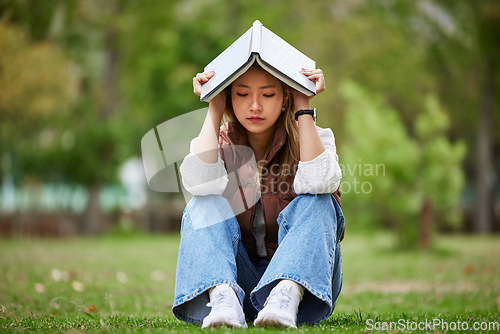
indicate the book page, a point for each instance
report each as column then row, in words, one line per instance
column 228, row 62
column 286, row 59
column 293, row 84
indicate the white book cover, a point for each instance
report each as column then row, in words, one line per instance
column 271, row 52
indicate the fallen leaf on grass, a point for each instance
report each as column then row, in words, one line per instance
column 59, row 275
column 73, row 274
column 91, row 308
column 121, row 277
column 40, row 288
column 78, row 286
column 469, row 269
column 56, row 274
column 157, row 275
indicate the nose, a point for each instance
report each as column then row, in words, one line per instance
column 255, row 105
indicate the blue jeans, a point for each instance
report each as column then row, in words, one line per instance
column 308, row 253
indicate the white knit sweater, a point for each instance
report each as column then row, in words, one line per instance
column 319, row 176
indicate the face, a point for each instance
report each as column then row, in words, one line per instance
column 257, row 99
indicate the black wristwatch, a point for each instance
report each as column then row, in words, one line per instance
column 311, row 112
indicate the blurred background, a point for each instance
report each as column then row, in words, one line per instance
column 412, row 97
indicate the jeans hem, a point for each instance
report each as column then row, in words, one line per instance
column 186, row 319
column 332, row 308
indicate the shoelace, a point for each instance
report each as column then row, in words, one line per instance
column 280, row 298
column 222, row 299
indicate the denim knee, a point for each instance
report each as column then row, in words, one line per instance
column 305, row 201
column 302, row 207
column 205, row 211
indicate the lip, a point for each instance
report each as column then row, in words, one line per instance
column 255, row 119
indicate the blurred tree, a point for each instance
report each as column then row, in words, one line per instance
column 97, row 123
column 487, row 15
column 404, row 50
column 475, row 49
column 440, row 176
column 391, row 178
column 38, row 87
column 82, row 146
column 375, row 44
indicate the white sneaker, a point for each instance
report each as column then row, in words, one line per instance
column 226, row 308
column 282, row 305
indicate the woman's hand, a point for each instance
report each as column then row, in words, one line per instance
column 317, row 76
column 302, row 101
column 217, row 105
column 200, row 79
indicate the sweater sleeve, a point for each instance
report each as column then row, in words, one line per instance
column 200, row 178
column 322, row 174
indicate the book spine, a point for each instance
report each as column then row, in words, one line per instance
column 256, row 37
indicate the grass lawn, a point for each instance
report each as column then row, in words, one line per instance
column 126, row 284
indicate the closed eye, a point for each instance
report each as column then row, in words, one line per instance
column 239, row 94
column 269, row 95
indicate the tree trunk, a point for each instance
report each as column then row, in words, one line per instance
column 92, row 219
column 426, row 220
column 484, row 166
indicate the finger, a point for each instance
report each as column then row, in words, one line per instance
column 309, row 72
column 197, row 81
column 204, row 77
column 207, row 75
column 319, row 80
column 316, row 77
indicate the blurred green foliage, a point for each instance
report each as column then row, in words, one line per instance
column 388, row 174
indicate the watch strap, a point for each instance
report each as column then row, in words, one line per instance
column 311, row 112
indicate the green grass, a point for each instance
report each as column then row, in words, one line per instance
column 126, row 284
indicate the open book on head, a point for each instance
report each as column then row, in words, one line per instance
column 273, row 54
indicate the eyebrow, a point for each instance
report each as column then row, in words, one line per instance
column 262, row 87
